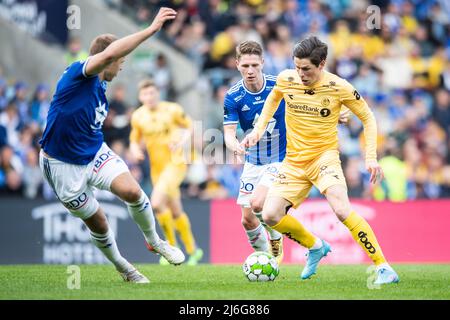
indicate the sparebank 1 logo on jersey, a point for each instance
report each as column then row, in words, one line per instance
column 319, row 218
column 66, row 239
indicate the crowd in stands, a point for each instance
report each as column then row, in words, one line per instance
column 400, row 66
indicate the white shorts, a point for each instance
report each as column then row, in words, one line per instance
column 254, row 175
column 74, row 184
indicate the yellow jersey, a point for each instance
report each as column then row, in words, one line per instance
column 158, row 128
column 312, row 114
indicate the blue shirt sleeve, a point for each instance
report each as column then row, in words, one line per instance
column 73, row 76
column 230, row 114
column 77, row 70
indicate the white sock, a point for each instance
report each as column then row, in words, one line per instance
column 257, row 239
column 317, row 244
column 107, row 244
column 273, row 234
column 142, row 213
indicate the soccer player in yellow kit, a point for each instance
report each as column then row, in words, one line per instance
column 314, row 98
column 164, row 128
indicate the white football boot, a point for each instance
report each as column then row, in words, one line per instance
column 172, row 254
column 134, row 276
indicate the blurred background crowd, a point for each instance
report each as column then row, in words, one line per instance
column 401, row 68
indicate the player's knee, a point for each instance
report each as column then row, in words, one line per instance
column 98, row 223
column 341, row 210
column 339, row 203
column 102, row 229
column 131, row 194
column 256, row 204
column 157, row 205
column 270, row 217
column 248, row 223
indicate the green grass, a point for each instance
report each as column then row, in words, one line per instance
column 207, row 282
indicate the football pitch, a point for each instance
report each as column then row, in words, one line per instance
column 223, row 282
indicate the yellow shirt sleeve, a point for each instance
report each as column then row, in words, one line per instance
column 136, row 133
column 270, row 107
column 181, row 119
column 353, row 100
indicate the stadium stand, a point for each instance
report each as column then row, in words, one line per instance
column 402, row 70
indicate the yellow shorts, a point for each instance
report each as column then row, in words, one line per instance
column 168, row 180
column 294, row 182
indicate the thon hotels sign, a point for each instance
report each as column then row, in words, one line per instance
column 66, row 239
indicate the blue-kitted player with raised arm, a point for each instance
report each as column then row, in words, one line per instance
column 74, row 159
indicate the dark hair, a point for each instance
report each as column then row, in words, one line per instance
column 248, row 47
column 311, row 48
column 101, row 42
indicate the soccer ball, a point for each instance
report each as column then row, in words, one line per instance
column 260, row 266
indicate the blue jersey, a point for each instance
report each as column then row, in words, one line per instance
column 244, row 107
column 74, row 122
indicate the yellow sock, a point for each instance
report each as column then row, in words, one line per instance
column 167, row 225
column 364, row 235
column 183, row 227
column 294, row 230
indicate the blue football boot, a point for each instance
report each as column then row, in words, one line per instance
column 386, row 276
column 314, row 257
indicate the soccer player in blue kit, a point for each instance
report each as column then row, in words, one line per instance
column 243, row 104
column 74, row 159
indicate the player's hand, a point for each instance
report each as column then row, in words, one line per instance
column 250, row 140
column 164, row 14
column 136, row 153
column 239, row 150
column 239, row 154
column 174, row 146
column 375, row 170
column 344, row 116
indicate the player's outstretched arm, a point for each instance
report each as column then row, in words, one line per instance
column 270, row 107
column 359, row 107
column 136, row 138
column 231, row 141
column 136, row 151
column 120, row 48
column 370, row 135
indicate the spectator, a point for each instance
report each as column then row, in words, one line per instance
column 75, row 51
column 445, row 78
column 276, row 59
column 436, row 67
column 162, row 76
column 20, row 100
column 11, row 121
column 3, row 98
column 32, row 176
column 394, row 185
column 423, row 42
column 40, row 105
column 401, row 70
column 12, row 169
column 367, row 81
column 293, row 19
column 224, row 44
column 117, row 122
column 441, row 110
column 3, row 136
column 193, row 43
